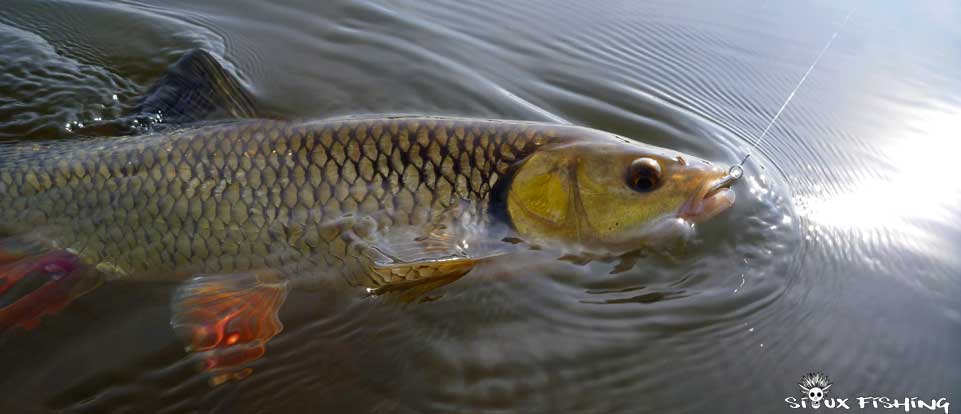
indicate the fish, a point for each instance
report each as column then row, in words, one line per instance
column 239, row 208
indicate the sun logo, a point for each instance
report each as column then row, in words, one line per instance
column 814, row 386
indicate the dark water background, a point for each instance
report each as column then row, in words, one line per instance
column 843, row 254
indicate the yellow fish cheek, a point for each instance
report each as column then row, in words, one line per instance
column 539, row 199
column 615, row 218
column 616, row 214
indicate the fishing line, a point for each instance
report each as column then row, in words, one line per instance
column 737, row 170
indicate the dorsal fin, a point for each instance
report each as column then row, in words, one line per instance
column 196, row 88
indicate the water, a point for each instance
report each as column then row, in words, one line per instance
column 841, row 255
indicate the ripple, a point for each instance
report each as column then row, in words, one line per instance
column 839, row 255
column 57, row 83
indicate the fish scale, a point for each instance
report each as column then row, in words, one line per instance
column 247, row 208
column 255, row 194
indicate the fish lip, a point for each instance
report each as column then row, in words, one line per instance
column 710, row 201
column 723, row 183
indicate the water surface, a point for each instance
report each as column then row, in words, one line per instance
column 841, row 255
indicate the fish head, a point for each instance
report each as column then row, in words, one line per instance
column 605, row 194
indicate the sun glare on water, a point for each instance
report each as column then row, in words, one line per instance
column 920, row 188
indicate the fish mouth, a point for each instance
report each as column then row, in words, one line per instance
column 710, row 201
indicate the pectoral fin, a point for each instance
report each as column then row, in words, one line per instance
column 228, row 319
column 410, row 282
column 411, row 266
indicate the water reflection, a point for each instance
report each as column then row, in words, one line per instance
column 868, row 162
column 917, row 189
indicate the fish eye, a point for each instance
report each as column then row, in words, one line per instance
column 644, row 175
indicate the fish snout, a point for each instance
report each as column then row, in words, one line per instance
column 714, row 197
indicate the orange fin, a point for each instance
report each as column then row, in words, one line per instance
column 34, row 285
column 14, row 248
column 228, row 319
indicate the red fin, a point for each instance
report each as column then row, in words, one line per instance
column 33, row 286
column 228, row 319
column 13, row 249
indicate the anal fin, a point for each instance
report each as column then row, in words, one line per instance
column 34, row 284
